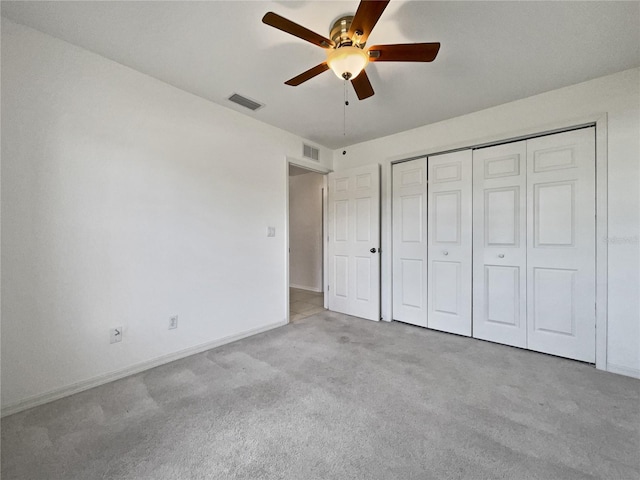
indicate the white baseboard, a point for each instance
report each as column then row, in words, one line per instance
column 304, row 287
column 83, row 385
column 626, row 371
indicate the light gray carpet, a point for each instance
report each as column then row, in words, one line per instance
column 334, row 397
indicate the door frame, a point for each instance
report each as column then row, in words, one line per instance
column 324, row 171
column 600, row 122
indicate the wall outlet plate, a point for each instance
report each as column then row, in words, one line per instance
column 271, row 231
column 173, row 322
column 115, row 335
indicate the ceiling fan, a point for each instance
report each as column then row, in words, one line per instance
column 346, row 53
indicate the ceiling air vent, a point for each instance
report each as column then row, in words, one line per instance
column 245, row 102
column 310, row 152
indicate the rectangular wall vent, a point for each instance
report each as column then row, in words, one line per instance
column 310, row 152
column 245, row 102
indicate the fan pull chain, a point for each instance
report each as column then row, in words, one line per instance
column 346, row 103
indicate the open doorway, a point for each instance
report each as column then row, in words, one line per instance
column 306, row 245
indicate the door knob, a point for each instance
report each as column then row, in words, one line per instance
column 501, row 255
column 445, row 253
column 373, row 250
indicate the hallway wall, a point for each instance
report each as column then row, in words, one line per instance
column 305, row 231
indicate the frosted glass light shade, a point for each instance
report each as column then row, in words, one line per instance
column 347, row 62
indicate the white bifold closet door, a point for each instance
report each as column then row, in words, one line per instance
column 500, row 244
column 354, row 242
column 561, row 250
column 449, row 242
column 534, row 244
column 409, row 218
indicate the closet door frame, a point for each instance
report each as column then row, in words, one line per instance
column 597, row 119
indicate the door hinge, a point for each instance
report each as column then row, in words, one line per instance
column 328, row 287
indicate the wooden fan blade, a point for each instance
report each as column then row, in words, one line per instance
column 281, row 23
column 362, row 86
column 404, row 52
column 366, row 17
column 309, row 74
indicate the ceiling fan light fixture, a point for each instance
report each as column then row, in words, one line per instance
column 347, row 62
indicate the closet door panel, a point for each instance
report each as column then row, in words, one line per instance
column 499, row 249
column 449, row 245
column 502, row 298
column 561, row 244
column 409, row 226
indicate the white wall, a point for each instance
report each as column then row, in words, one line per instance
column 305, row 231
column 126, row 201
column 617, row 96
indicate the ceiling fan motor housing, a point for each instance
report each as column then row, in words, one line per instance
column 340, row 30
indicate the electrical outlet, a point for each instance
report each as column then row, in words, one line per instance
column 116, row 334
column 173, row 322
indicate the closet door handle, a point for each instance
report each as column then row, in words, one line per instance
column 501, row 255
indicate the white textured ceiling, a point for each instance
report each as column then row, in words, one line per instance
column 492, row 53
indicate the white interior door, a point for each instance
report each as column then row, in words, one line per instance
column 499, row 244
column 561, row 244
column 449, row 242
column 409, row 227
column 354, row 242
